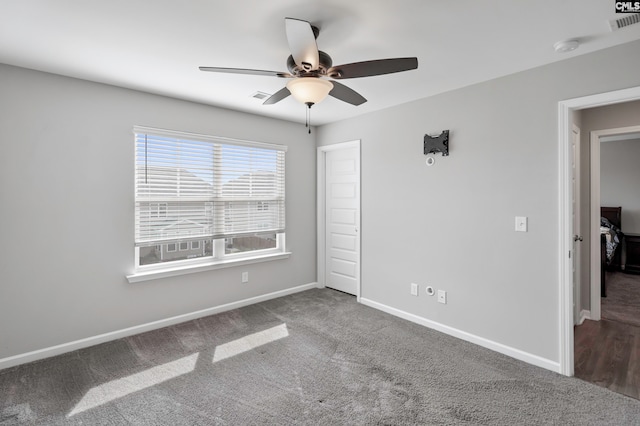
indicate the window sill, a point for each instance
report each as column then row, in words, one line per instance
column 201, row 267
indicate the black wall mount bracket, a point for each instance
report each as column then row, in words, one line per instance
column 435, row 144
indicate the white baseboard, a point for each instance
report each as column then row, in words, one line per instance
column 584, row 315
column 106, row 337
column 481, row 341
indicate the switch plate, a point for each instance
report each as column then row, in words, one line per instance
column 414, row 289
column 245, row 277
column 442, row 296
column 521, row 223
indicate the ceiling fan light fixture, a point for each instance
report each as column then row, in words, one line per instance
column 309, row 90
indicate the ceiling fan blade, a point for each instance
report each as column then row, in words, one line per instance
column 371, row 68
column 302, row 43
column 246, row 71
column 346, row 94
column 277, row 97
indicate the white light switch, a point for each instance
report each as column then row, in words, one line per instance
column 414, row 289
column 521, row 223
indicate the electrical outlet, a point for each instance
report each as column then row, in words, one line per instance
column 245, row 277
column 414, row 289
column 442, row 296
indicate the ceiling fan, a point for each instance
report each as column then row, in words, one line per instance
column 312, row 76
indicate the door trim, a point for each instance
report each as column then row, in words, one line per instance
column 321, row 216
column 565, row 226
column 577, row 227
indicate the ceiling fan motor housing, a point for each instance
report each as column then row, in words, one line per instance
column 324, row 64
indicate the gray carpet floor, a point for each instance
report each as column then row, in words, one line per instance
column 622, row 303
column 312, row 358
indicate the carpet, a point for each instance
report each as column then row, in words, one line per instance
column 311, row 358
column 622, row 303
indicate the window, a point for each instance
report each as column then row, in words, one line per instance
column 158, row 210
column 201, row 199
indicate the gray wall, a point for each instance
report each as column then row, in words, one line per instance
column 452, row 225
column 66, row 210
column 620, row 180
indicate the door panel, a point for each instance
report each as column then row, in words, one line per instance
column 344, row 216
column 342, row 213
column 344, row 242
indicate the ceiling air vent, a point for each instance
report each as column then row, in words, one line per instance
column 260, row 95
column 617, row 24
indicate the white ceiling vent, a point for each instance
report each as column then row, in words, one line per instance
column 260, row 95
column 625, row 21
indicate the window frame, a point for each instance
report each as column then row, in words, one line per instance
column 218, row 258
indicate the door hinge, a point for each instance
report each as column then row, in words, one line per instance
column 569, row 254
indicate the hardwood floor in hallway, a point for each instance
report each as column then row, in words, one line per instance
column 607, row 352
column 622, row 303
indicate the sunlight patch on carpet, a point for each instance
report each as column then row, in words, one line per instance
column 249, row 342
column 115, row 389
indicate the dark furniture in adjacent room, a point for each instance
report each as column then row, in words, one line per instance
column 632, row 245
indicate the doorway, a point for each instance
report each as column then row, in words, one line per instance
column 339, row 217
column 595, row 140
column 607, row 343
column 565, row 205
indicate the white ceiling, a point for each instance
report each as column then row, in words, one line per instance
column 157, row 45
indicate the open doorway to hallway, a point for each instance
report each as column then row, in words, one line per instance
column 607, row 334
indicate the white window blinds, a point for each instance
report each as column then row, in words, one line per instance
column 194, row 186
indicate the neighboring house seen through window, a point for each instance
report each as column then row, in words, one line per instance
column 205, row 199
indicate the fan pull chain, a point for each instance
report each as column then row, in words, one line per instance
column 308, row 116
